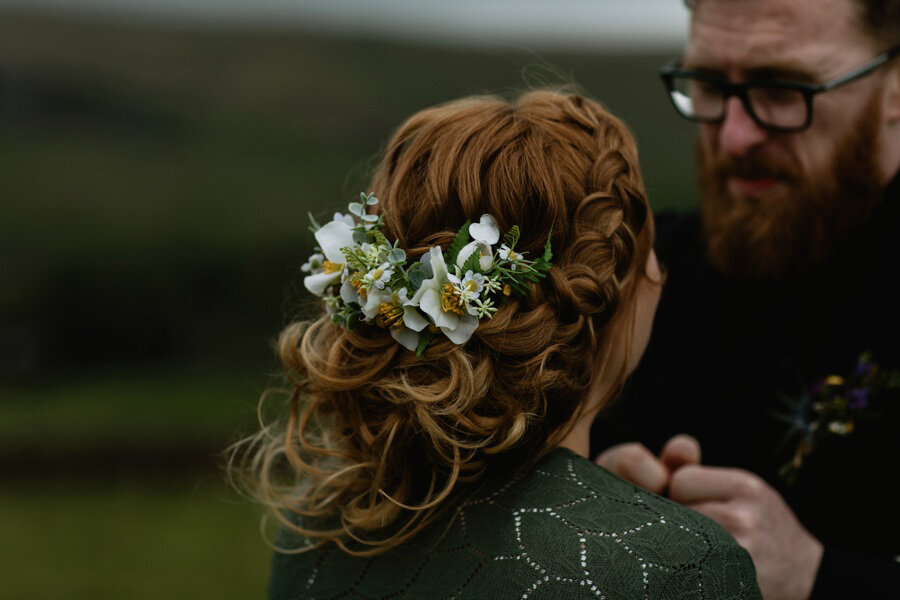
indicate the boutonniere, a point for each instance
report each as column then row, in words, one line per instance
column 832, row 408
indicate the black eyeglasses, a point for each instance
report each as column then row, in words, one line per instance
column 776, row 104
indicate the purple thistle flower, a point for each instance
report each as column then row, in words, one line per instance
column 863, row 367
column 859, row 398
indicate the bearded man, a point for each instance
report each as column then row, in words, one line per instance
column 785, row 277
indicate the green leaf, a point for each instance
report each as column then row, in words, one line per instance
column 425, row 337
column 473, row 263
column 379, row 238
column 416, row 274
column 512, row 237
column 548, row 252
column 397, row 256
column 460, row 240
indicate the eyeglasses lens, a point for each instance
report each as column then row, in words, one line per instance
column 705, row 101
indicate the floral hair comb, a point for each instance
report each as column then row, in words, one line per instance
column 365, row 278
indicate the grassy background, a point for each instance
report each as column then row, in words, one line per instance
column 154, row 185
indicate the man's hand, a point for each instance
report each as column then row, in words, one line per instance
column 785, row 554
column 635, row 463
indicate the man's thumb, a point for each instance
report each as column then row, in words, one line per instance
column 681, row 450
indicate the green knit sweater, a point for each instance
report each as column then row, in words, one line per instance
column 568, row 529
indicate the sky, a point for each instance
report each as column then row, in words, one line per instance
column 530, row 23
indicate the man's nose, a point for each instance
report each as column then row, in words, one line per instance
column 739, row 134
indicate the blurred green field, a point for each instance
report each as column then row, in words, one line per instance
column 154, row 188
column 130, row 540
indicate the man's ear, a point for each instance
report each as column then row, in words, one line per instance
column 892, row 94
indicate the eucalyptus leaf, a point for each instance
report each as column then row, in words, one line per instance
column 360, row 237
column 357, row 209
column 397, row 256
column 417, row 274
column 371, row 200
column 369, row 218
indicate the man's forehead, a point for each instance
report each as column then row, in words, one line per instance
column 812, row 36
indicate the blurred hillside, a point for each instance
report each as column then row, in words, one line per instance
column 155, row 180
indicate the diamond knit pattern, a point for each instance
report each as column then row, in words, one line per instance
column 568, row 529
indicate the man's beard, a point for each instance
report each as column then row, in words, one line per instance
column 785, row 234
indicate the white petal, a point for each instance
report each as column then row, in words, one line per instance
column 464, row 329
column 348, row 292
column 487, row 258
column 333, row 236
column 465, row 252
column 407, row 338
column 439, row 269
column 413, row 319
column 373, row 302
column 348, row 219
column 485, row 230
column 317, row 283
column 430, row 303
column 438, row 266
column 446, row 319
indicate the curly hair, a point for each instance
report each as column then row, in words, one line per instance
column 378, row 442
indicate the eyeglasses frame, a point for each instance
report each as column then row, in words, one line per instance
column 669, row 72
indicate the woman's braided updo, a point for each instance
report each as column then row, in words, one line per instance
column 379, row 441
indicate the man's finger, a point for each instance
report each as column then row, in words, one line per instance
column 681, row 450
column 729, row 515
column 693, row 483
column 638, row 465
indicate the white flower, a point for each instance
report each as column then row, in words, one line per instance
column 439, row 298
column 469, row 289
column 331, row 238
column 370, row 291
column 473, row 283
column 348, row 219
column 484, row 233
column 492, row 284
column 485, row 260
column 314, row 265
column 379, row 277
column 485, row 230
column 507, row 253
column 406, row 331
column 371, row 300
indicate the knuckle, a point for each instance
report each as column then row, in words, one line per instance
column 743, row 519
column 749, row 486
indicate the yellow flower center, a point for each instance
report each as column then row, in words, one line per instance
column 450, row 300
column 332, row 267
column 356, row 282
column 391, row 315
column 512, row 255
column 378, row 273
column 507, row 290
column 834, row 380
column 472, row 285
